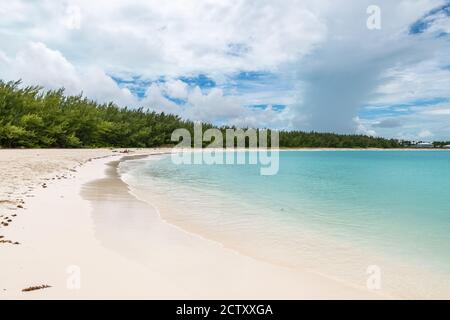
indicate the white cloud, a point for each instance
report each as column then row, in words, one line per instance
column 211, row 106
column 344, row 72
column 154, row 38
column 328, row 64
column 177, row 89
column 362, row 128
column 424, row 80
column 425, row 134
column 36, row 64
column 437, row 111
column 414, row 125
column 155, row 100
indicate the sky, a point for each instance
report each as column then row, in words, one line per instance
column 380, row 68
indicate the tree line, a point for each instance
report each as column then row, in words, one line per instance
column 31, row 117
column 441, row 144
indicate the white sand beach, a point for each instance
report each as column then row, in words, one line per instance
column 68, row 223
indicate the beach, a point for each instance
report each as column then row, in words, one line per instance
column 76, row 228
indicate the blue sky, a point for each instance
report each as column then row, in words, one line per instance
column 289, row 64
column 429, row 20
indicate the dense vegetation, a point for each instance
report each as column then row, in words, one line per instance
column 441, row 144
column 291, row 139
column 31, row 117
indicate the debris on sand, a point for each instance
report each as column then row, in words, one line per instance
column 9, row 241
column 34, row 288
column 6, row 202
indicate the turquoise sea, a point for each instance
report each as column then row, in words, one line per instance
column 331, row 212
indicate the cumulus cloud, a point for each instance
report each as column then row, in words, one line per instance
column 36, row 64
column 209, row 105
column 176, row 37
column 327, row 64
column 157, row 99
column 177, row 89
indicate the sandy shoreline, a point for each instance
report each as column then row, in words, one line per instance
column 86, row 223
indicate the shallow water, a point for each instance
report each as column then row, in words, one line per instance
column 333, row 212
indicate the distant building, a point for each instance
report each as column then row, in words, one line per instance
column 424, row 145
column 446, row 146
